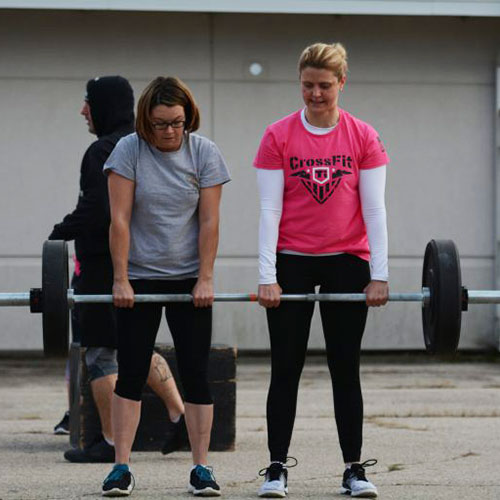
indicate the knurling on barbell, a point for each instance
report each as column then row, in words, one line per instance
column 442, row 297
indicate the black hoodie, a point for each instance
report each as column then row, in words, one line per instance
column 111, row 102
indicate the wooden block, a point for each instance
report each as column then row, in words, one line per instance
column 155, row 427
column 222, row 380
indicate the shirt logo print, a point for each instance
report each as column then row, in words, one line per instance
column 319, row 175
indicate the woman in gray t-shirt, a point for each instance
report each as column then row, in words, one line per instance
column 165, row 185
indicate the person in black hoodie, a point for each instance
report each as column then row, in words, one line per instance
column 109, row 112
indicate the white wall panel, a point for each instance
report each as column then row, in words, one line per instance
column 439, row 138
column 242, row 111
column 82, row 44
column 380, row 49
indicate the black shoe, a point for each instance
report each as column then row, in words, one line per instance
column 178, row 439
column 202, row 482
column 355, row 484
column 63, row 426
column 276, row 479
column 119, row 482
column 97, row 452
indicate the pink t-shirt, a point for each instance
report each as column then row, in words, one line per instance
column 321, row 206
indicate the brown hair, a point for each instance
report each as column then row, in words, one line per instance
column 170, row 91
column 325, row 56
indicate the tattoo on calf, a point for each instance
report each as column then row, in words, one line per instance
column 162, row 369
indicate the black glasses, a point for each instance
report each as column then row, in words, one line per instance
column 165, row 125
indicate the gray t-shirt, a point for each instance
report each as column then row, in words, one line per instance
column 164, row 225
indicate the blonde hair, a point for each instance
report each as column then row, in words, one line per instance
column 325, row 56
column 170, row 91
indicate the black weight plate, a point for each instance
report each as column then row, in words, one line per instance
column 442, row 316
column 55, row 298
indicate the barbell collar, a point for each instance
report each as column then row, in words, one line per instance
column 36, row 300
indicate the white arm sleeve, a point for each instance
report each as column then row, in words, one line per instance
column 372, row 191
column 271, row 185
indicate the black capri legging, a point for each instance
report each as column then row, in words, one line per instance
column 343, row 326
column 191, row 329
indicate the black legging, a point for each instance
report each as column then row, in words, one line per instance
column 97, row 321
column 343, row 326
column 191, row 329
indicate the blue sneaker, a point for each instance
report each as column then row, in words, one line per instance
column 119, row 482
column 202, row 482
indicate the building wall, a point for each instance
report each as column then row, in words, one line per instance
column 426, row 84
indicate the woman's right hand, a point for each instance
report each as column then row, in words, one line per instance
column 123, row 294
column 270, row 295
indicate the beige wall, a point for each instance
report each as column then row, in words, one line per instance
column 426, row 84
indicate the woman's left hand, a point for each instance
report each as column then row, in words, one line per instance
column 377, row 293
column 203, row 293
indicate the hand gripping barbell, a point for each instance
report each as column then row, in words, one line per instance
column 442, row 297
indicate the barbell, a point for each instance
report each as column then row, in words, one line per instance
column 443, row 298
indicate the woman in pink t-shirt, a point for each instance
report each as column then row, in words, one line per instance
column 321, row 176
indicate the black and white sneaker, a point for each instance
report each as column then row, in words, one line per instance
column 119, row 482
column 63, row 426
column 355, row 483
column 202, row 482
column 276, row 479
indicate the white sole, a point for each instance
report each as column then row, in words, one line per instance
column 115, row 492
column 272, row 494
column 359, row 494
column 207, row 492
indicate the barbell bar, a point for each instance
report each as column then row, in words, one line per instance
column 24, row 299
column 442, row 297
column 474, row 297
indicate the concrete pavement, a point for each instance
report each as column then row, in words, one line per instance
column 433, row 426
